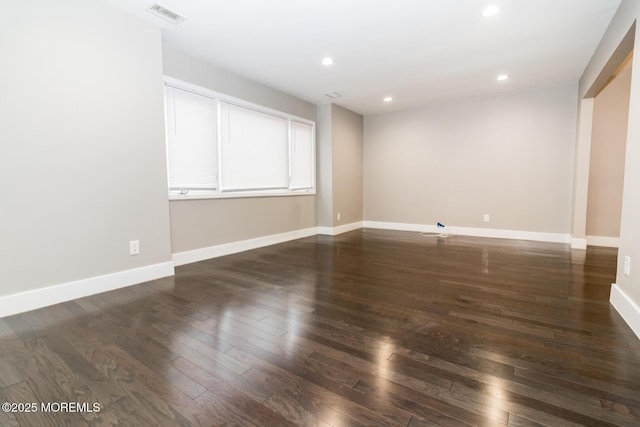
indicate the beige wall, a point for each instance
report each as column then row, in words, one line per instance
column 624, row 19
column 82, row 143
column 508, row 155
column 608, row 143
column 202, row 223
column 324, row 166
column 340, row 166
column 187, row 68
column 581, row 174
column 347, row 157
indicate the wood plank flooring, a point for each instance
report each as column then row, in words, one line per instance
column 369, row 328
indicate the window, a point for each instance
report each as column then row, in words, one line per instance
column 254, row 148
column 218, row 146
column 302, row 150
column 191, row 129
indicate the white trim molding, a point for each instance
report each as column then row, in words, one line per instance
column 627, row 308
column 609, row 242
column 400, row 226
column 334, row 231
column 475, row 232
column 578, row 243
column 325, row 231
column 195, row 255
column 50, row 295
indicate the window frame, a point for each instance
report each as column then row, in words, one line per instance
column 219, row 193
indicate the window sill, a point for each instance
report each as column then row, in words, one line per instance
column 200, row 194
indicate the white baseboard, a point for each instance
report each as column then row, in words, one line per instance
column 470, row 231
column 610, row 242
column 334, row 231
column 577, row 243
column 627, row 308
column 187, row 257
column 326, row 231
column 400, row 226
column 50, row 295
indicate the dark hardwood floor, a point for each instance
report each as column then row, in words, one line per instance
column 369, row 328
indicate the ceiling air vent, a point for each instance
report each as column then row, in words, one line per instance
column 333, row 95
column 165, row 13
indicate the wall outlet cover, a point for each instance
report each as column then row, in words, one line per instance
column 627, row 265
column 134, row 247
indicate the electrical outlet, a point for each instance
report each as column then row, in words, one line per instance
column 486, row 218
column 134, row 247
column 338, row 216
column 627, row 265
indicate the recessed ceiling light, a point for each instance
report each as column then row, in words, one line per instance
column 387, row 99
column 502, row 77
column 327, row 61
column 491, row 10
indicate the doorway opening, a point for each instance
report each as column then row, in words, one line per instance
column 607, row 160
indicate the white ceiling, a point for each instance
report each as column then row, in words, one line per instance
column 419, row 52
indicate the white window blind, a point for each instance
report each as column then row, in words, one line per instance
column 220, row 146
column 254, row 149
column 302, row 169
column 191, row 134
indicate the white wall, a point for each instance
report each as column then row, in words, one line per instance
column 508, row 155
column 82, row 144
column 190, row 69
